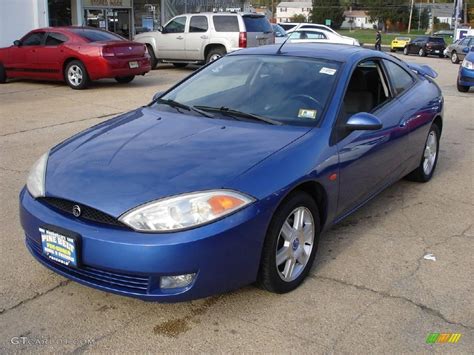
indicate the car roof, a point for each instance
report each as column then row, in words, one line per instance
column 327, row 51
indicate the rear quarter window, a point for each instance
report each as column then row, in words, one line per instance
column 226, row 23
column 257, row 24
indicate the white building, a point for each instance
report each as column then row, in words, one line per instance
column 286, row 10
column 357, row 19
column 125, row 17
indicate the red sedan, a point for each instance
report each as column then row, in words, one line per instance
column 74, row 54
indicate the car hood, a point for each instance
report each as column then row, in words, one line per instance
column 147, row 154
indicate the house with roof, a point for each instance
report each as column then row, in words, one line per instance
column 285, row 10
column 357, row 19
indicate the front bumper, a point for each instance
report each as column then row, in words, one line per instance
column 117, row 67
column 225, row 254
column 465, row 77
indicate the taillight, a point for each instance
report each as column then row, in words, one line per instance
column 243, row 40
column 108, row 52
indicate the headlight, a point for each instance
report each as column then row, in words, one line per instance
column 184, row 211
column 36, row 179
column 467, row 64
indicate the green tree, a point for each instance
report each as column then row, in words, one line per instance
column 327, row 10
column 387, row 11
column 424, row 19
column 299, row 18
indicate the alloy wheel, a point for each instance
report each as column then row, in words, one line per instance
column 214, row 57
column 75, row 75
column 431, row 150
column 454, row 58
column 295, row 243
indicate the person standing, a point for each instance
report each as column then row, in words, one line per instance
column 378, row 41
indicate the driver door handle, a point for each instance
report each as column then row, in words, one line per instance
column 179, row 37
column 204, row 37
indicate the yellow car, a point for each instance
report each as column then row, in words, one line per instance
column 399, row 43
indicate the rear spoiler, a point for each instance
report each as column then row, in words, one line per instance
column 424, row 70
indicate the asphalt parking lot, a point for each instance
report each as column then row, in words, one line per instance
column 371, row 288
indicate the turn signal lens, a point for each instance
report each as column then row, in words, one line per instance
column 222, row 203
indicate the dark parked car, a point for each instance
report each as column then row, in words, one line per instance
column 76, row 55
column 426, row 45
column 459, row 49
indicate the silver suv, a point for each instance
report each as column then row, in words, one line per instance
column 204, row 37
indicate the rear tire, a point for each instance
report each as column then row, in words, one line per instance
column 392, row 50
column 462, row 88
column 454, row 58
column 215, row 54
column 153, row 60
column 125, row 79
column 405, row 51
column 3, row 74
column 429, row 158
column 76, row 75
column 180, row 65
column 294, row 246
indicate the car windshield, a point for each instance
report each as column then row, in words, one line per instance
column 292, row 90
column 91, row 35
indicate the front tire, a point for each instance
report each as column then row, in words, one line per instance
column 125, row 79
column 215, row 54
column 76, row 75
column 462, row 88
column 290, row 244
column 424, row 172
column 454, row 58
column 422, row 52
column 3, row 74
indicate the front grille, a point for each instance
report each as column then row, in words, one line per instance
column 467, row 80
column 87, row 213
column 113, row 280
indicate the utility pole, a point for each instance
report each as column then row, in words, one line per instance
column 411, row 15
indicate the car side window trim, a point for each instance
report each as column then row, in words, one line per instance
column 335, row 133
column 390, row 81
column 48, row 34
column 41, row 33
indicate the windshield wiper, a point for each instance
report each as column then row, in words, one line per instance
column 235, row 113
column 176, row 104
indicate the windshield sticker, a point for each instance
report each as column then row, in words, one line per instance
column 328, row 71
column 306, row 113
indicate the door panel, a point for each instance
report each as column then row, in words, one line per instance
column 370, row 160
column 51, row 56
column 171, row 43
column 197, row 37
column 23, row 59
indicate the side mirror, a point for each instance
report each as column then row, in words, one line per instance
column 17, row 43
column 157, row 95
column 161, row 29
column 465, row 50
column 363, row 121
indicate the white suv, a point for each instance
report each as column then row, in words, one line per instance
column 204, row 37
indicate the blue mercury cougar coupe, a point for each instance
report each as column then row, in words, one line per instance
column 230, row 177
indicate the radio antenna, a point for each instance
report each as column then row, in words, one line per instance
column 284, row 42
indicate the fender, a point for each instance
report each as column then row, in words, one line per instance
column 148, row 38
